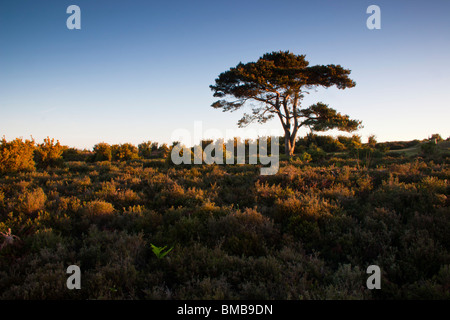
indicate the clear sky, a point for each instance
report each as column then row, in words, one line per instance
column 138, row 70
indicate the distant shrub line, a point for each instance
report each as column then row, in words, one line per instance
column 26, row 155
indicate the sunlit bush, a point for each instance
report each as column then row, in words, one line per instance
column 102, row 152
column 16, row 155
column 124, row 152
column 49, row 153
column 32, row 201
column 98, row 209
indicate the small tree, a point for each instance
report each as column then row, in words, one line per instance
column 277, row 83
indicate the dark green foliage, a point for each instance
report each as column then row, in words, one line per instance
column 72, row 154
column 320, row 117
column 428, row 148
column 398, row 145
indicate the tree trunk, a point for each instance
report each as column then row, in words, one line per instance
column 288, row 145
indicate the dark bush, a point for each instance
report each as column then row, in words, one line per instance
column 73, row 154
column 145, row 150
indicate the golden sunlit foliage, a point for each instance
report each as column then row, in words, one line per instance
column 16, row 155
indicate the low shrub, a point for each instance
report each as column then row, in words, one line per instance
column 32, row 201
column 102, row 152
column 73, row 154
column 124, row 152
column 98, row 211
column 49, row 154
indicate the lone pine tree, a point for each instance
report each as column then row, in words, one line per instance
column 277, row 83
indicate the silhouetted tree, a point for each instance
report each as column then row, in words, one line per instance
column 277, row 83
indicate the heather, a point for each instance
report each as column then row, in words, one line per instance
column 308, row 232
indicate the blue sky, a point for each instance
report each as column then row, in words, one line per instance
column 138, row 70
